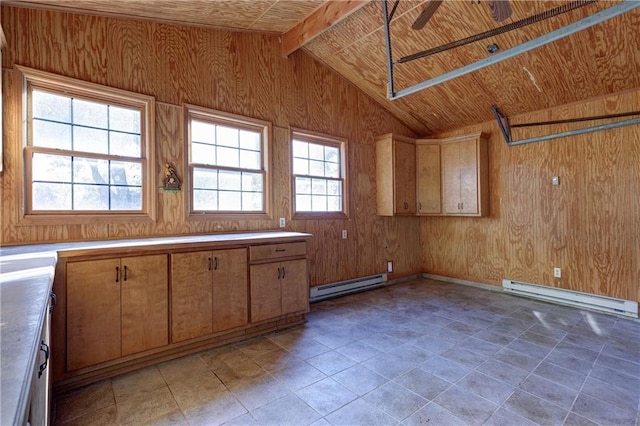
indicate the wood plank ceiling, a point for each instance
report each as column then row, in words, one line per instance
column 599, row 60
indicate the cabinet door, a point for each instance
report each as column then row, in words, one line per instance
column 468, row 169
column 230, row 301
column 405, row 178
column 93, row 312
column 451, row 178
column 265, row 291
column 144, row 287
column 428, row 179
column 191, row 295
column 294, row 286
column 39, row 397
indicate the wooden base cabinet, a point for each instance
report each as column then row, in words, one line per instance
column 115, row 307
column 208, row 292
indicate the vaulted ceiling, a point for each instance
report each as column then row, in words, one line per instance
column 349, row 37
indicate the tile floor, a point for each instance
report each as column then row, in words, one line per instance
column 412, row 353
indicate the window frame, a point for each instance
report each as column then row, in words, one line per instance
column 212, row 116
column 327, row 140
column 66, row 86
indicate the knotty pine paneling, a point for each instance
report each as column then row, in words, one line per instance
column 240, row 73
column 589, row 225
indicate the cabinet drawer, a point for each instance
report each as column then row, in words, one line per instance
column 275, row 251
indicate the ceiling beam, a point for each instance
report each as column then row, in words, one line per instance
column 323, row 18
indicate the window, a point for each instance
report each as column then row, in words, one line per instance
column 319, row 170
column 227, row 163
column 88, row 150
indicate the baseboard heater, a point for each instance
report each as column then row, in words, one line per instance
column 573, row 298
column 345, row 287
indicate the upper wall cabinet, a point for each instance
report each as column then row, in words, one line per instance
column 395, row 175
column 465, row 175
column 428, row 177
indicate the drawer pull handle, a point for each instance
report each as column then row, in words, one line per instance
column 283, row 272
column 210, row 264
column 280, row 250
column 279, row 273
column 125, row 272
column 117, row 274
column 216, row 266
column 44, row 348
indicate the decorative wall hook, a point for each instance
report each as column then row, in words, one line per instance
column 171, row 180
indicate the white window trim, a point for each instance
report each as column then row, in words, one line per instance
column 320, row 138
column 96, row 92
column 234, row 120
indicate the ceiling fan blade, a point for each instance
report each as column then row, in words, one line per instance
column 428, row 11
column 500, row 9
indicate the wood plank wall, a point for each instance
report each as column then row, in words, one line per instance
column 589, row 225
column 241, row 73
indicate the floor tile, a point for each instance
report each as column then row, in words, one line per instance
column 358, row 413
column 388, row 365
column 102, row 417
column 146, row 407
column 560, row 375
column 479, row 346
column 468, row 358
column 359, row 379
column 487, row 387
column 612, row 349
column 504, row 372
column 243, row 420
column 275, row 360
column 191, row 393
column 517, row 359
column 258, row 391
column 603, row 413
column 358, row 351
column 411, row 354
column 616, row 378
column 84, row 401
column 550, row 391
column 223, row 356
column 137, row 382
column 433, row 414
column 574, row 419
column 288, row 410
column 445, row 368
column 494, row 337
column 432, row 344
column 331, row 362
column 257, row 346
column 326, row 396
column 382, row 342
column 622, row 366
column 504, row 417
column 611, row 394
column 576, row 351
column 569, row 361
column 298, row 375
column 184, row 369
column 422, row 383
column 539, row 339
column 395, row 400
column 534, row 408
column 241, row 369
column 215, row 411
column 466, row 405
column 529, row 349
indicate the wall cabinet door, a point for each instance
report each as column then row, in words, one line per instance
column 395, row 175
column 428, row 178
column 265, row 291
column 230, row 298
column 115, row 307
column 465, row 176
column 294, row 286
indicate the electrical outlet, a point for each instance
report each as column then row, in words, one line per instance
column 282, row 222
column 555, row 181
column 390, row 266
column 344, row 234
column 557, row 272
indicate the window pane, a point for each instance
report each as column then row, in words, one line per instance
column 90, row 197
column 334, row 204
column 51, row 168
column 203, row 154
column 90, row 114
column 228, row 157
column 230, row 200
column 126, row 198
column 251, row 201
column 229, row 181
column 127, row 174
column 227, row 136
column 334, row 187
column 124, row 119
column 316, row 168
column 318, row 203
column 318, row 186
column 300, row 166
column 300, row 149
column 90, row 140
column 51, row 196
column 203, row 178
column 205, row 200
column 252, row 182
column 250, row 160
column 316, row 152
column 124, row 144
column 50, row 106
column 203, row 132
column 250, row 140
column 303, row 186
column 331, row 154
column 87, row 170
column 51, row 135
column 331, row 170
column 303, row 203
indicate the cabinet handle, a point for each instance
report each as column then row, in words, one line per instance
column 54, row 300
column 210, row 264
column 283, row 272
column 280, row 250
column 406, row 206
column 420, row 206
column 117, row 274
column 44, row 348
column 125, row 272
column 216, row 267
column 279, row 273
